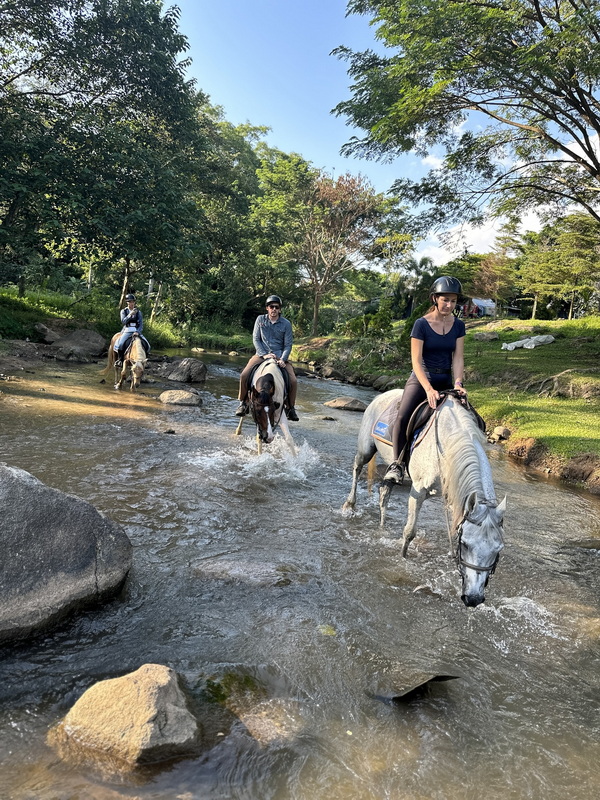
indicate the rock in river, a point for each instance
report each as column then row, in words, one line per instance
column 58, row 554
column 346, row 404
column 139, row 718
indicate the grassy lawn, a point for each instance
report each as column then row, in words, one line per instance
column 514, row 387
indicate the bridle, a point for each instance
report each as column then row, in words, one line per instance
column 460, row 561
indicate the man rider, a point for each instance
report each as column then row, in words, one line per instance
column 272, row 337
column 132, row 322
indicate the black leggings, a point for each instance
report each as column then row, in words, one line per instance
column 414, row 394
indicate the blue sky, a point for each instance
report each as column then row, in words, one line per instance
column 268, row 62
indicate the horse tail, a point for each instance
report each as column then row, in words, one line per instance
column 111, row 362
column 371, row 473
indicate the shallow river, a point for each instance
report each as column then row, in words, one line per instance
column 245, row 567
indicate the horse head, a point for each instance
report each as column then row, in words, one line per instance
column 262, row 407
column 478, row 545
column 137, row 359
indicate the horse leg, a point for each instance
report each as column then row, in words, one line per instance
column 238, row 430
column 119, row 375
column 258, row 443
column 384, row 496
column 360, row 459
column 283, row 424
column 415, row 501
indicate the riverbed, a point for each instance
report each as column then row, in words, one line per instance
column 244, row 566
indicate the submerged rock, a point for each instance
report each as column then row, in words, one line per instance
column 139, row 718
column 58, row 554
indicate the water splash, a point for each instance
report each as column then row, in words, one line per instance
column 276, row 462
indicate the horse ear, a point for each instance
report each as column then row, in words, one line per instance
column 501, row 507
column 470, row 503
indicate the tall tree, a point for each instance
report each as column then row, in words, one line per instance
column 330, row 226
column 529, row 69
column 562, row 261
column 78, row 76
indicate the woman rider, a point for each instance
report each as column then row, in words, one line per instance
column 437, row 355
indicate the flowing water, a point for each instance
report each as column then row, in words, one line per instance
column 246, row 573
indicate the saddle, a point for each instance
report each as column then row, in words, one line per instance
column 284, row 373
column 418, row 421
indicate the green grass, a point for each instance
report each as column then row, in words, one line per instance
column 497, row 381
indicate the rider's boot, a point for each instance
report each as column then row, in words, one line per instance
column 120, row 356
column 242, row 409
column 395, row 472
column 291, row 414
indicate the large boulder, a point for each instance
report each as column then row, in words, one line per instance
column 140, row 718
column 82, row 345
column 46, row 334
column 189, row 370
column 58, row 554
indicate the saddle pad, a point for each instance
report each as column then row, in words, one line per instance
column 382, row 429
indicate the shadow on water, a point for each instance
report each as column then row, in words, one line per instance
column 246, row 575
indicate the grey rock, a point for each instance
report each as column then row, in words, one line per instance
column 47, row 335
column 330, row 372
column 83, row 346
column 485, row 336
column 59, row 554
column 347, row 404
column 179, row 397
column 189, row 370
column 380, row 382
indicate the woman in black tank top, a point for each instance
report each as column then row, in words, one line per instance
column 437, row 356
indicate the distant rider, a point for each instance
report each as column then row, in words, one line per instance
column 272, row 337
column 132, row 322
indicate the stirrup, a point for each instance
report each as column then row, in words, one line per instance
column 242, row 410
column 119, row 362
column 395, row 472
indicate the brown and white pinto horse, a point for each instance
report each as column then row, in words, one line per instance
column 135, row 360
column 266, row 403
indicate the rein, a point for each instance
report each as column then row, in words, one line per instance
column 457, row 555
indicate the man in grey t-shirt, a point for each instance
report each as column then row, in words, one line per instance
column 272, row 337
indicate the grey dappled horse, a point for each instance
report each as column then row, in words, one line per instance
column 266, row 403
column 451, row 459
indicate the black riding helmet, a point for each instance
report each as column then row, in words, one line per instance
column 129, row 297
column 446, row 284
column 273, row 299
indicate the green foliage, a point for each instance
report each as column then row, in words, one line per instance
column 532, row 70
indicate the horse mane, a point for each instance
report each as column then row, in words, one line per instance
column 464, row 461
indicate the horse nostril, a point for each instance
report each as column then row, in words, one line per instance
column 472, row 600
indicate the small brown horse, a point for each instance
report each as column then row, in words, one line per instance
column 135, row 359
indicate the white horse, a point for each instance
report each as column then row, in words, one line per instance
column 449, row 457
column 266, row 405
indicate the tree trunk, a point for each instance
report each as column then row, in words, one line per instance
column 21, row 285
column 125, row 286
column 534, row 309
column 150, row 285
column 315, row 319
column 571, row 304
column 90, row 278
column 155, row 304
